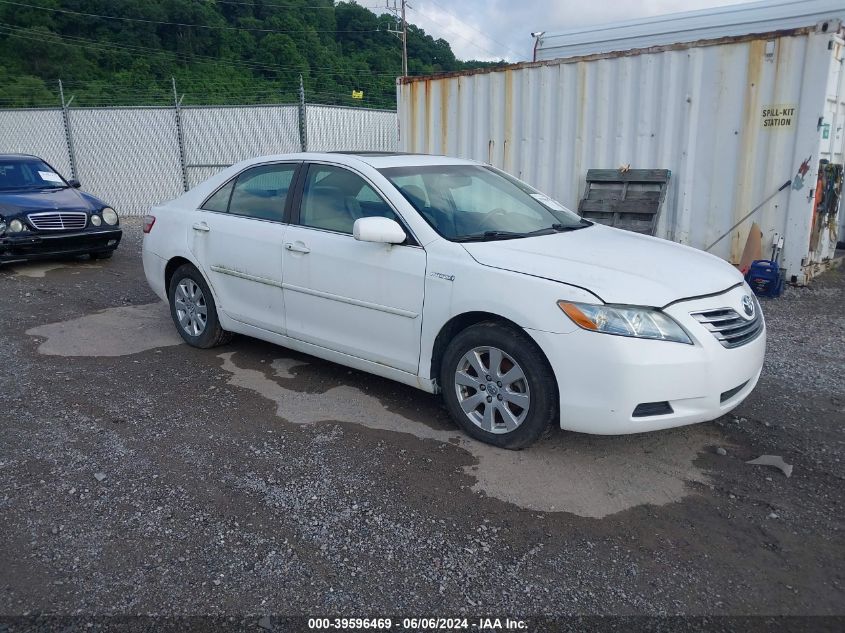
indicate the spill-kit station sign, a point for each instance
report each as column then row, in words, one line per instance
column 779, row 116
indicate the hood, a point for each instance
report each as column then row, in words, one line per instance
column 617, row 266
column 16, row 202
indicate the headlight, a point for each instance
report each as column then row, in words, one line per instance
column 625, row 321
column 15, row 226
column 110, row 216
column 95, row 220
column 2, row 226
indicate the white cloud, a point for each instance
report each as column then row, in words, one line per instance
column 496, row 29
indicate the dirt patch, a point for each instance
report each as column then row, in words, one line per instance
column 585, row 475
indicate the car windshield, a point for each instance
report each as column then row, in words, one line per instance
column 476, row 203
column 28, row 173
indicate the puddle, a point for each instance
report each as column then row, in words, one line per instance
column 38, row 270
column 111, row 332
column 590, row 476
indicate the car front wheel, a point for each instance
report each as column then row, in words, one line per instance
column 498, row 385
column 193, row 309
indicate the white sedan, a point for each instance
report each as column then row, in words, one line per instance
column 456, row 278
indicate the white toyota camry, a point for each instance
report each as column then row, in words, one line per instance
column 451, row 276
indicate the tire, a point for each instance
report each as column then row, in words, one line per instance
column 511, row 413
column 193, row 309
column 102, row 255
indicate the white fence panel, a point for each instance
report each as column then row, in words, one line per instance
column 218, row 137
column 129, row 157
column 39, row 132
column 335, row 129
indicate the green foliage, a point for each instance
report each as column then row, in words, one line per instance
column 220, row 52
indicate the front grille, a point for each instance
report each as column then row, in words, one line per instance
column 58, row 220
column 729, row 328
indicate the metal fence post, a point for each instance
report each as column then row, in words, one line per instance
column 177, row 102
column 71, row 152
column 303, row 122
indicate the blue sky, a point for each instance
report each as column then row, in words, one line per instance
column 494, row 29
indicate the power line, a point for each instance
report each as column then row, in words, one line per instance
column 197, row 26
column 293, row 6
column 108, row 46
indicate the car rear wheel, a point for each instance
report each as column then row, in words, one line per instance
column 193, row 309
column 498, row 385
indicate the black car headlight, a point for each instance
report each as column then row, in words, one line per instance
column 16, row 226
column 2, row 226
column 109, row 216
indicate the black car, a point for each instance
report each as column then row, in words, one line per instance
column 42, row 215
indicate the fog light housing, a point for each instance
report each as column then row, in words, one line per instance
column 648, row 409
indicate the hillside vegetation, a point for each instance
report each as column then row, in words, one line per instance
column 124, row 52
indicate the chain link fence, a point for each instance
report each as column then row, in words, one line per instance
column 136, row 157
column 37, row 131
column 218, row 137
column 337, row 128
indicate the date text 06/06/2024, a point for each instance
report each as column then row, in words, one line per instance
column 418, row 624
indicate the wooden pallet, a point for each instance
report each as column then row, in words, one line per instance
column 629, row 200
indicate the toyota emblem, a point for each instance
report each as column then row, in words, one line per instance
column 748, row 306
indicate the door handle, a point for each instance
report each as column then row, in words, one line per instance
column 299, row 247
column 202, row 226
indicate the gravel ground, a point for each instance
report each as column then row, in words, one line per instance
column 251, row 480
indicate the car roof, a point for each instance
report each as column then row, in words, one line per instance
column 19, row 156
column 377, row 160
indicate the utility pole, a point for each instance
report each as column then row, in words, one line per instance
column 399, row 11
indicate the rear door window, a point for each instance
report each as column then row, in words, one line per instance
column 261, row 192
column 220, row 200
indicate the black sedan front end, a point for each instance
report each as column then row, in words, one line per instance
column 43, row 216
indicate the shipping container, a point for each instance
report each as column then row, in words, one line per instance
column 732, row 111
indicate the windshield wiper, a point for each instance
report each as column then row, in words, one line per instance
column 491, row 235
column 559, row 228
column 562, row 228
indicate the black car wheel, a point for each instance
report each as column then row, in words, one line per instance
column 498, row 385
column 193, row 309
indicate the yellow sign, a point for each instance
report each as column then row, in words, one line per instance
column 357, row 94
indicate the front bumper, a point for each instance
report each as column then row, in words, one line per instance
column 30, row 245
column 602, row 378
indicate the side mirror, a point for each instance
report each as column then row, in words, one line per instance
column 378, row 229
column 73, row 182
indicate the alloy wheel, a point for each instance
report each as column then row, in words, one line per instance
column 492, row 389
column 191, row 309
